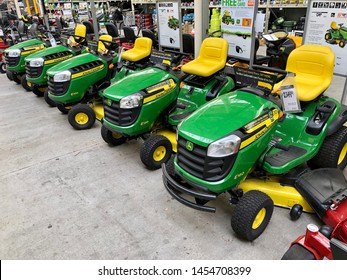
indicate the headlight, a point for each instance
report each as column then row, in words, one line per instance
column 63, row 76
column 38, row 62
column 224, row 147
column 131, row 101
column 14, row 53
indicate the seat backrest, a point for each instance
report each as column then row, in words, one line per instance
column 149, row 34
column 80, row 33
column 313, row 64
column 33, row 29
column 214, row 49
column 188, row 43
column 142, row 49
column 112, row 29
column 144, row 44
column 129, row 34
column 89, row 27
column 333, row 25
column 104, row 43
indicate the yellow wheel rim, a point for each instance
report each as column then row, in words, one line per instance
column 116, row 135
column 342, row 155
column 159, row 153
column 81, row 118
column 259, row 218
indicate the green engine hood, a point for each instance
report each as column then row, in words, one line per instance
column 136, row 82
column 72, row 62
column 25, row 44
column 46, row 51
column 220, row 117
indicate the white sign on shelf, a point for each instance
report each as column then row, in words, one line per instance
column 169, row 24
column 237, row 24
column 327, row 25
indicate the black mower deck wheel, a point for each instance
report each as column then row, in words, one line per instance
column 333, row 152
column 295, row 212
column 112, row 138
column 49, row 101
column 24, row 83
column 81, row 116
column 62, row 108
column 17, row 78
column 157, row 149
column 3, row 67
column 252, row 214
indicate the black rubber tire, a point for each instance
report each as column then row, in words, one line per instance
column 327, row 36
column 170, row 166
column 245, row 212
column 326, row 231
column 329, row 153
column 62, row 108
column 38, row 91
column 87, row 119
column 3, row 67
column 342, row 43
column 49, row 101
column 298, row 252
column 24, row 83
column 149, row 148
column 17, row 78
column 295, row 212
column 109, row 137
column 9, row 75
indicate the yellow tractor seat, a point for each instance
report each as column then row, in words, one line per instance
column 333, row 25
column 297, row 40
column 80, row 33
column 314, row 68
column 104, row 43
column 212, row 58
column 142, row 49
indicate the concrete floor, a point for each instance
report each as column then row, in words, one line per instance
column 65, row 194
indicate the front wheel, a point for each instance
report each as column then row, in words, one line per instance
column 62, row 108
column 49, row 101
column 81, row 117
column 112, row 138
column 3, row 67
column 39, row 91
column 9, row 75
column 342, row 43
column 155, row 150
column 25, row 83
column 333, row 152
column 252, row 215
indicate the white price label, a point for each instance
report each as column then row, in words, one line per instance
column 290, row 100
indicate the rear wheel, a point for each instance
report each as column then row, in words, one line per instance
column 25, row 83
column 112, row 138
column 39, row 91
column 333, row 152
column 327, row 36
column 252, row 215
column 9, row 75
column 342, row 43
column 49, row 101
column 155, row 150
column 81, row 117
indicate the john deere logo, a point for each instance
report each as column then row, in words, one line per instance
column 189, row 146
column 109, row 102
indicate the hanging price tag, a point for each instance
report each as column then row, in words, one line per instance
column 52, row 40
column 290, row 101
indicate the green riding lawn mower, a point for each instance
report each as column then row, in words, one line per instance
column 39, row 63
column 249, row 145
column 76, row 85
column 16, row 54
column 150, row 103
